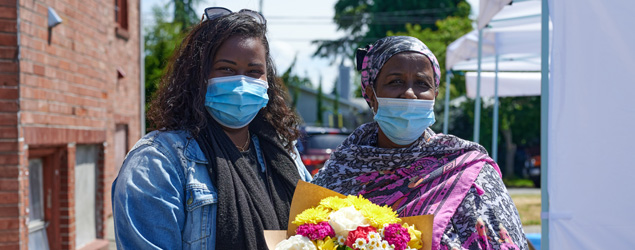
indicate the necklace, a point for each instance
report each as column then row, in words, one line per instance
column 246, row 146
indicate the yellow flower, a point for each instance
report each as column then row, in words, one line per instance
column 334, row 203
column 327, row 244
column 379, row 215
column 358, row 201
column 312, row 215
column 415, row 237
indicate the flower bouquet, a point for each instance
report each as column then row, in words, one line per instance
column 323, row 219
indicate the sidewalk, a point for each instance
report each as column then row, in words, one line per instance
column 110, row 233
column 532, row 229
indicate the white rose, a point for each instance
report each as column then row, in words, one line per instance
column 296, row 242
column 345, row 220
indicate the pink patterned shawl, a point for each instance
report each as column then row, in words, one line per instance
column 432, row 176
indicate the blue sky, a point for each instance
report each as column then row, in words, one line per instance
column 292, row 26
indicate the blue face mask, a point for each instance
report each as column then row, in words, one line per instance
column 403, row 121
column 234, row 101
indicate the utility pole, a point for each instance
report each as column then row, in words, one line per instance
column 260, row 7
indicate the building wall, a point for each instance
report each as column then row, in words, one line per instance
column 60, row 88
column 10, row 162
column 353, row 113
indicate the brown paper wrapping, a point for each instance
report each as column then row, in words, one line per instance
column 309, row 195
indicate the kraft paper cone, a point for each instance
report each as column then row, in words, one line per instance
column 309, row 195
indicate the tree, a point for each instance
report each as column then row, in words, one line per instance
column 368, row 20
column 184, row 13
column 293, row 82
column 320, row 105
column 162, row 37
column 160, row 40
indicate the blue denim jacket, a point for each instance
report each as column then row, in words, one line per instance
column 163, row 197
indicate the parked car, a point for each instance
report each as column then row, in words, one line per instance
column 532, row 169
column 317, row 143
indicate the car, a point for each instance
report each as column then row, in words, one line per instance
column 317, row 143
column 532, row 169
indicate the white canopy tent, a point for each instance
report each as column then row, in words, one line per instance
column 511, row 43
column 586, row 125
column 590, row 123
column 488, row 9
column 507, row 62
column 516, row 84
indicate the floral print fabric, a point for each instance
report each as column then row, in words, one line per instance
column 436, row 175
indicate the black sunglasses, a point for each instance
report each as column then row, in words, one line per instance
column 215, row 12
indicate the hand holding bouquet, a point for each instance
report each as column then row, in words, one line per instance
column 323, row 219
column 351, row 223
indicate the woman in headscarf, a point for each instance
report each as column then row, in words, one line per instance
column 221, row 167
column 397, row 160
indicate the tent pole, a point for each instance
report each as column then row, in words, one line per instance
column 477, row 104
column 544, row 125
column 446, row 114
column 495, row 123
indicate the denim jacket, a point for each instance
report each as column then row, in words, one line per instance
column 163, row 197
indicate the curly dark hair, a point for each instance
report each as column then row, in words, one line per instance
column 179, row 103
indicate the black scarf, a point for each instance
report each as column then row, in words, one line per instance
column 245, row 207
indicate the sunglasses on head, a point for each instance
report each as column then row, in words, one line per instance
column 215, row 12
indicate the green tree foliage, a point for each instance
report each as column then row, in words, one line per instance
column 184, row 13
column 162, row 37
column 160, row 40
column 293, row 82
column 320, row 104
column 368, row 20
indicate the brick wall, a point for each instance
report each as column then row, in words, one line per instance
column 11, row 179
column 66, row 86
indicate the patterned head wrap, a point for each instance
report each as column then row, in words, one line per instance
column 373, row 57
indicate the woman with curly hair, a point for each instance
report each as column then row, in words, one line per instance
column 221, row 166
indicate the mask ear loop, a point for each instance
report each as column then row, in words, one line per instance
column 375, row 95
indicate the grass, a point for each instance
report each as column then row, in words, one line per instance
column 518, row 182
column 528, row 206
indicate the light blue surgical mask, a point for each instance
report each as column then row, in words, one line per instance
column 234, row 101
column 403, row 121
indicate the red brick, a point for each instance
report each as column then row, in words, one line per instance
column 6, row 146
column 8, row 132
column 8, row 3
column 8, row 53
column 8, row 119
column 9, row 211
column 8, row 93
column 9, row 159
column 9, row 106
column 10, row 236
column 8, row 12
column 9, row 197
column 32, row 43
column 8, row 67
column 7, row 39
column 8, row 25
column 38, row 69
column 8, row 80
column 9, row 223
column 11, row 246
column 9, row 185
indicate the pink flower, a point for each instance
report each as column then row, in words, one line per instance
column 316, row 231
column 397, row 235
